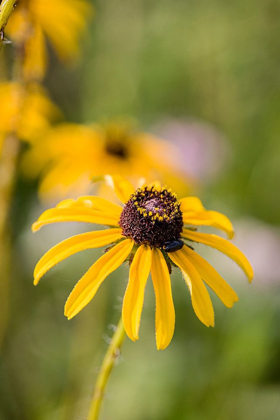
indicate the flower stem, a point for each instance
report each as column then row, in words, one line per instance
column 105, row 370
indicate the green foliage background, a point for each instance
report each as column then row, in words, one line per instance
column 214, row 61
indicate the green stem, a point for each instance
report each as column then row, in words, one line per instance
column 105, row 370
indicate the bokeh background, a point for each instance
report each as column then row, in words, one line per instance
column 205, row 76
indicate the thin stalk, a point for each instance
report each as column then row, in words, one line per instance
column 9, row 155
column 8, row 165
column 105, row 370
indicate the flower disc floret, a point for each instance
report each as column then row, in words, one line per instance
column 152, row 217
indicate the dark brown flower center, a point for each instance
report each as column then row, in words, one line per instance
column 117, row 149
column 117, row 139
column 152, row 217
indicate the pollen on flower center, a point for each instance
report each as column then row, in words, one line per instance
column 152, row 217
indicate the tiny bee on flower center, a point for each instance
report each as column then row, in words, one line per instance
column 172, row 246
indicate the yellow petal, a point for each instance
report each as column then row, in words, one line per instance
column 35, row 62
column 209, row 218
column 88, row 285
column 73, row 245
column 165, row 314
column 95, row 203
column 63, row 22
column 86, row 209
column 121, row 186
column 223, row 246
column 212, row 278
column 191, row 204
column 201, row 301
column 134, row 295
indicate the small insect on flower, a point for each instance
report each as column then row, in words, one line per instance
column 154, row 232
column 172, row 246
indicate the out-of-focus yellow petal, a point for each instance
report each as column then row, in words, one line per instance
column 212, row 278
column 36, row 112
column 27, row 112
column 86, row 209
column 134, row 295
column 63, row 22
column 121, row 186
column 191, row 204
column 165, row 314
column 73, row 245
column 35, row 63
column 223, row 246
column 86, row 288
column 19, row 24
column 201, row 301
column 209, row 218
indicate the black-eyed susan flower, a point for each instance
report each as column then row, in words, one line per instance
column 27, row 112
column 70, row 155
column 61, row 22
column 154, row 231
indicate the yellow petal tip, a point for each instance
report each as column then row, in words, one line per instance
column 35, row 226
column 68, row 316
column 162, row 346
column 68, row 313
column 231, row 234
column 250, row 275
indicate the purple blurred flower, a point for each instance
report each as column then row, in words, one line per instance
column 203, row 150
column 261, row 244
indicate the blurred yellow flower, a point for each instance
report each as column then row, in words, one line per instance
column 27, row 112
column 154, row 232
column 33, row 22
column 71, row 154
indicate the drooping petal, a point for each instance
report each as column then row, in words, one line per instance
column 191, row 204
column 212, row 278
column 134, row 295
column 223, row 246
column 209, row 218
column 121, row 186
column 88, row 285
column 63, row 22
column 201, row 301
column 73, row 245
column 165, row 314
column 86, row 209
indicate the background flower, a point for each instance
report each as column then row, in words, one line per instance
column 33, row 22
column 204, row 149
column 28, row 112
column 70, row 155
